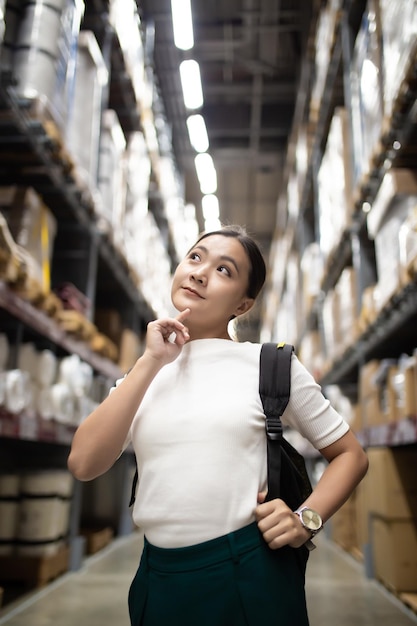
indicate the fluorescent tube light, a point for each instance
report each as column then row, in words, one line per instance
column 191, row 84
column 210, row 206
column 197, row 132
column 182, row 24
column 206, row 173
column 212, row 225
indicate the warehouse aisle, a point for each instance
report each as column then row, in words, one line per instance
column 338, row 593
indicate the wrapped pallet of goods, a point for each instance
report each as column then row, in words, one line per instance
column 12, row 15
column 45, row 502
column 112, row 177
column 395, row 201
column 33, row 228
column 399, row 39
column 43, row 55
column 83, row 129
column 367, row 99
column 335, row 204
column 392, row 511
column 9, row 509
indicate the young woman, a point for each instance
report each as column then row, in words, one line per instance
column 216, row 553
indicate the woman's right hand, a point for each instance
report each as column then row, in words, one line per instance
column 165, row 337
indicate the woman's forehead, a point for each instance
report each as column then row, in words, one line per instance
column 222, row 245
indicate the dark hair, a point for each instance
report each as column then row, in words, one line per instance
column 257, row 271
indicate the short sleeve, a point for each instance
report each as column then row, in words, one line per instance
column 128, row 439
column 309, row 412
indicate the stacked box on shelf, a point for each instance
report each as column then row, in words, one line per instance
column 148, row 258
column 372, row 398
column 346, row 289
column 42, row 57
column 391, row 488
column 33, row 228
column 112, row 176
column 13, row 16
column 181, row 219
column 35, row 509
column 335, row 204
column 399, row 39
column 130, row 349
column 339, row 315
column 369, row 311
column 367, row 99
column 312, row 271
column 403, row 388
column 124, row 18
column 2, row 29
column 395, row 200
column 44, row 511
column 408, row 246
column 138, row 178
column 144, row 247
column 324, row 42
column 279, row 251
column 44, row 389
column 293, row 198
column 344, row 526
column 9, row 511
column 303, row 146
column 128, row 342
column 83, row 129
column 311, row 354
column 289, row 317
column 330, row 312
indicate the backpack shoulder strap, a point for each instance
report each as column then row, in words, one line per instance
column 274, row 389
column 275, row 384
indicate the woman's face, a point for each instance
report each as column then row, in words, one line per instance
column 212, row 282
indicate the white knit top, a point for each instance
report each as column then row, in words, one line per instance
column 200, row 443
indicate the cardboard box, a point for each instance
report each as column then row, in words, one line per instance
column 367, row 378
column 392, row 481
column 109, row 322
column 395, row 553
column 343, row 525
column 130, row 349
column 392, row 397
column 373, row 413
column 404, row 384
column 362, row 514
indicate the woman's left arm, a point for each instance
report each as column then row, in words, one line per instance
column 348, row 464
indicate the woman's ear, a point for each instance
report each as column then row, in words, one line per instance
column 245, row 306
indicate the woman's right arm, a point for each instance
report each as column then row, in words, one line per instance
column 99, row 440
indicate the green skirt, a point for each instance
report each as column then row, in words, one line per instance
column 234, row 580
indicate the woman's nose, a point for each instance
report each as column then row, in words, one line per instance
column 199, row 276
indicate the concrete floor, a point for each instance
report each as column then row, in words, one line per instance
column 337, row 592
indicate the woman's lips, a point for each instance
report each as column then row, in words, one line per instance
column 192, row 292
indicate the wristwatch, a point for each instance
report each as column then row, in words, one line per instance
column 310, row 519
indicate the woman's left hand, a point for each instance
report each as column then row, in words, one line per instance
column 278, row 524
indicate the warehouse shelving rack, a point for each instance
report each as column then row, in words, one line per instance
column 30, row 155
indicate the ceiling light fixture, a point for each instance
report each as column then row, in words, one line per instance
column 210, row 206
column 191, row 84
column 197, row 132
column 206, row 173
column 182, row 23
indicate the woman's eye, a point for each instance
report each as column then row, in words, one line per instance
column 194, row 256
column 224, row 270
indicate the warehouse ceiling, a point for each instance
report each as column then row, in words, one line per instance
column 249, row 52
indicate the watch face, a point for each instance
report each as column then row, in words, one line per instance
column 311, row 519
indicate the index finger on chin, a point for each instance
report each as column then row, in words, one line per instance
column 183, row 315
